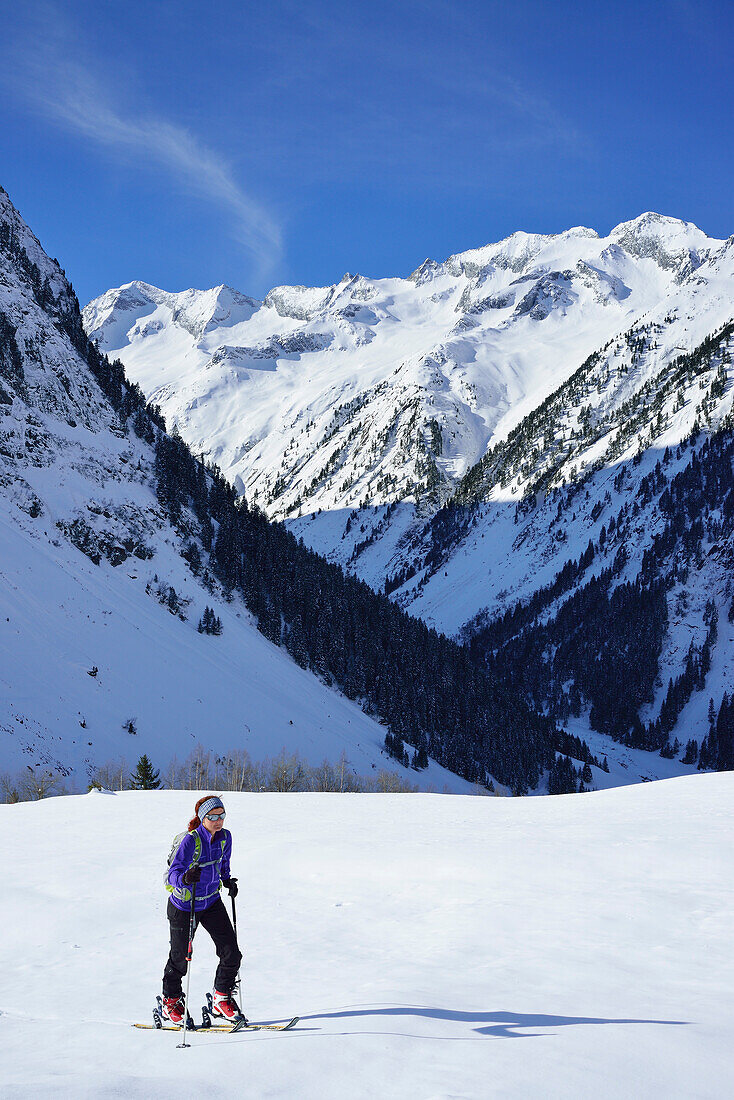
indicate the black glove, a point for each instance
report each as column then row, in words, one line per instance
column 231, row 885
column 192, row 875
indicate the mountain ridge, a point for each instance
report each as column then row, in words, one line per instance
column 436, row 361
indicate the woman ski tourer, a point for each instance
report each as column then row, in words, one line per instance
column 198, row 864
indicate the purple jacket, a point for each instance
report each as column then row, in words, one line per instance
column 214, row 862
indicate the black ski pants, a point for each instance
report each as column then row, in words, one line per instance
column 217, row 923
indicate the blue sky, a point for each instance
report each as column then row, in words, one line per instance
column 191, row 144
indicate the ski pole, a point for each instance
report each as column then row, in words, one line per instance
column 234, row 924
column 189, row 953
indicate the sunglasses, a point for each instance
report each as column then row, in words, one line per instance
column 216, row 817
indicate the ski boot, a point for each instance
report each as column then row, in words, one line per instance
column 222, row 1006
column 171, row 1010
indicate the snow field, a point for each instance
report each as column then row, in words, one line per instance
column 413, row 934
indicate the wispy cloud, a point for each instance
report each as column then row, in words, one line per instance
column 63, row 90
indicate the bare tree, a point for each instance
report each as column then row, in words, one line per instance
column 324, row 778
column 9, row 787
column 338, row 777
column 392, row 783
column 36, row 783
column 112, row 776
column 287, row 773
column 234, row 772
column 173, row 775
column 199, row 769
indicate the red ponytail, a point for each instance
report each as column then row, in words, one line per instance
column 195, row 821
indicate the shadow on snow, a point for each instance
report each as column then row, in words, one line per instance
column 500, row 1025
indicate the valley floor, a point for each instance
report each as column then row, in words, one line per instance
column 418, row 937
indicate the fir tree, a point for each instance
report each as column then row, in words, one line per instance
column 144, row 778
column 209, row 623
column 691, row 753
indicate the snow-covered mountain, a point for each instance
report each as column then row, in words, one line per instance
column 374, row 391
column 636, row 394
column 98, row 607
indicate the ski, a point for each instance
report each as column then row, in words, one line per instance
column 224, row 1029
column 266, row 1027
column 189, row 1030
column 242, row 1024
